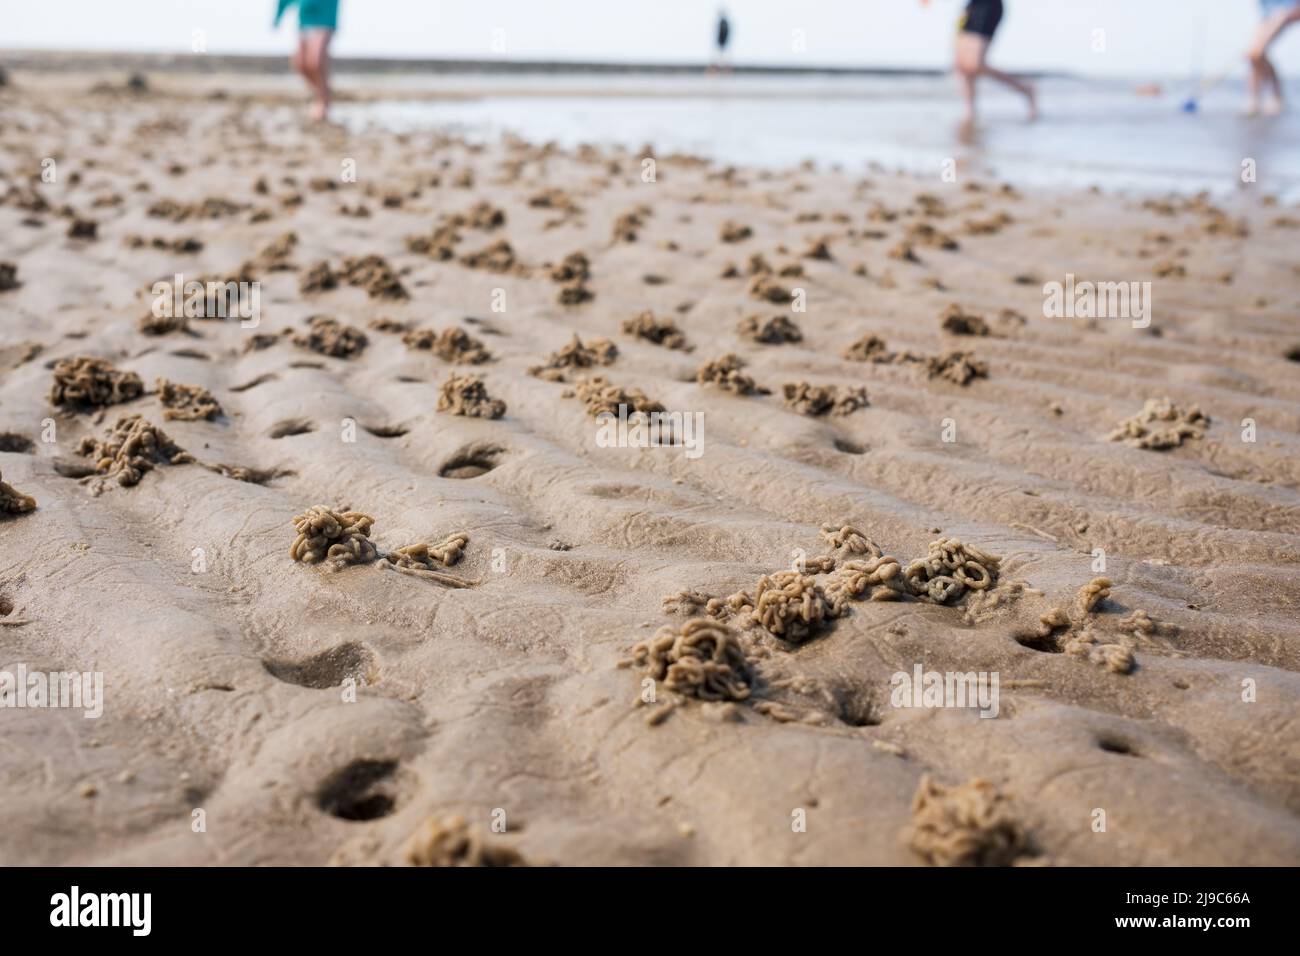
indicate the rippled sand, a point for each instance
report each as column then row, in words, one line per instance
column 227, row 665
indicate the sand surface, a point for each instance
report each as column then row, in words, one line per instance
column 226, row 687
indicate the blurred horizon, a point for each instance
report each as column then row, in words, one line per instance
column 1155, row 38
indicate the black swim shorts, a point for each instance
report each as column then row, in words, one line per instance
column 982, row 17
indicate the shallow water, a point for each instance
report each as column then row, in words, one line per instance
column 1090, row 133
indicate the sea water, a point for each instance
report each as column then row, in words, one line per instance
column 1090, row 133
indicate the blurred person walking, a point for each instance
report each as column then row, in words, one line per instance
column 979, row 22
column 721, row 62
column 317, row 21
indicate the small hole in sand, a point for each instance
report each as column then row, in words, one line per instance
column 191, row 354
column 327, row 669
column 386, row 431
column 292, row 426
column 472, row 462
column 855, row 709
column 12, row 441
column 1113, row 745
column 6, row 607
column 363, row 790
column 1294, row 353
column 306, row 364
column 849, row 447
column 1182, row 684
column 410, row 380
column 852, row 703
column 1036, row 642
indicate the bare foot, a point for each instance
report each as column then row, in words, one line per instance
column 320, row 112
column 1274, row 108
column 1252, row 110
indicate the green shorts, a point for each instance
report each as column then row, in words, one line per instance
column 312, row 14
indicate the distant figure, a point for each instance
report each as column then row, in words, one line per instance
column 1278, row 15
column 978, row 24
column 720, row 60
column 317, row 21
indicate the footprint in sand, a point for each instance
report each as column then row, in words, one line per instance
column 328, row 668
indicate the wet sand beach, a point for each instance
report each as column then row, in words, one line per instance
column 901, row 462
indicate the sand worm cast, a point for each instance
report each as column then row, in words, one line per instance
column 725, row 372
column 446, row 553
column 576, row 355
column 950, row 570
column 13, row 501
column 467, row 395
column 340, row 537
column 816, row 400
column 186, row 403
column 451, row 841
column 1116, row 658
column 132, row 447
column 852, row 579
column 424, row 560
column 453, row 345
column 86, row 381
column 329, row 336
column 792, row 605
column 974, row 576
column 968, row 825
column 850, row 539
column 1161, row 425
column 1092, row 594
column 702, row 659
column 941, row 589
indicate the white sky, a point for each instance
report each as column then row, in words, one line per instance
column 1143, row 37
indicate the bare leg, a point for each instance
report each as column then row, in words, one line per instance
column 1263, row 75
column 299, row 58
column 969, row 61
column 1271, row 79
column 316, row 59
column 972, row 53
column 304, row 62
column 1020, row 86
column 1256, row 82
